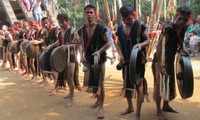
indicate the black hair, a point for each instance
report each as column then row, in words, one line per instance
column 126, row 10
column 194, row 32
column 45, row 18
column 63, row 16
column 184, row 10
column 91, row 6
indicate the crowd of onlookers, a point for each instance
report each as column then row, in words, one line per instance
column 37, row 7
column 192, row 37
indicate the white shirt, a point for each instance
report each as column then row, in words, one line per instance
column 36, row 7
column 194, row 40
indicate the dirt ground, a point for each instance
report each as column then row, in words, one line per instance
column 22, row 100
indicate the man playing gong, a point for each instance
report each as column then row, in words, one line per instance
column 64, row 41
column 50, row 37
column 132, row 34
column 164, row 57
column 95, row 41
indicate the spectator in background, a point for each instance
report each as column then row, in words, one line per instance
column 197, row 26
column 37, row 10
column 194, row 39
column 27, row 4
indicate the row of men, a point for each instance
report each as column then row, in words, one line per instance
column 92, row 39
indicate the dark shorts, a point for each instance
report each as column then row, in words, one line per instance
column 129, row 86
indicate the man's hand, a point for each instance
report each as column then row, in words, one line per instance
column 46, row 49
column 2, row 37
column 162, row 63
column 35, row 42
column 25, row 40
column 63, row 47
column 139, row 46
column 15, row 42
column 97, row 53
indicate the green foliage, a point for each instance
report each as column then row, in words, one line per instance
column 145, row 9
column 195, row 8
column 77, row 14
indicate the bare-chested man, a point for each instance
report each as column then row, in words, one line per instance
column 94, row 39
column 131, row 34
column 50, row 37
column 174, row 33
column 7, row 38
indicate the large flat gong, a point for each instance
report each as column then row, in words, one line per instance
column 184, row 76
column 134, row 68
column 13, row 48
column 58, row 59
column 96, row 67
column 44, row 61
column 32, row 51
column 22, row 48
column 9, row 46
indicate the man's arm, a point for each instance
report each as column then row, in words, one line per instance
column 106, row 45
column 146, row 41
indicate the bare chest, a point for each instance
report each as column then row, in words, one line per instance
column 127, row 31
column 90, row 32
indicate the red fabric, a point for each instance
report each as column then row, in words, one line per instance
column 87, row 8
column 114, row 37
column 11, row 29
column 25, row 24
column 135, row 15
column 152, row 36
column 98, row 16
column 63, row 41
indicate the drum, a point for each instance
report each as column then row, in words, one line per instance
column 58, row 59
column 184, row 76
column 32, row 51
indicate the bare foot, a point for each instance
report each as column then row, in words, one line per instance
column 42, row 85
column 53, row 92
column 127, row 111
column 169, row 109
column 24, row 74
column 147, row 98
column 137, row 117
column 78, row 88
column 84, row 88
column 160, row 116
column 93, row 96
column 32, row 80
column 69, row 103
column 68, row 96
column 96, row 104
column 100, row 114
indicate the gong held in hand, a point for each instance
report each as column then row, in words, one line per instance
column 22, row 48
column 184, row 76
column 59, row 58
column 13, row 48
column 134, row 68
column 32, row 51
